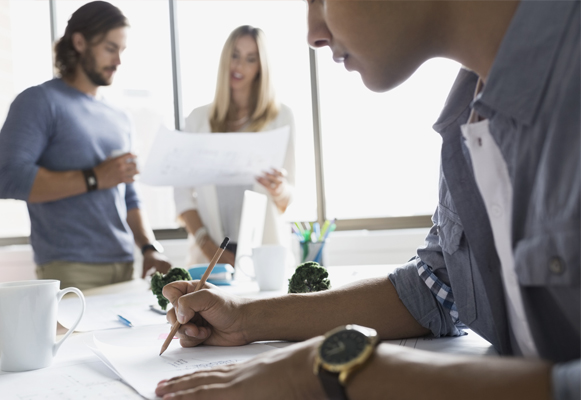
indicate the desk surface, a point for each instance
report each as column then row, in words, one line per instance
column 77, row 372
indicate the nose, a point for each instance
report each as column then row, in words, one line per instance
column 235, row 64
column 319, row 35
column 117, row 60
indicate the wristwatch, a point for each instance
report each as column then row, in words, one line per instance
column 155, row 245
column 343, row 351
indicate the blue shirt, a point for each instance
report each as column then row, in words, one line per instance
column 532, row 102
column 59, row 128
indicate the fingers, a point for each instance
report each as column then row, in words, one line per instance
column 273, row 180
column 180, row 295
column 188, row 386
column 113, row 171
column 146, row 268
column 126, row 166
column 190, row 334
column 174, row 290
column 189, row 304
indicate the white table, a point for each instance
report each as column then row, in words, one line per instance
column 77, row 373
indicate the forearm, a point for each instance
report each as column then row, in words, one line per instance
column 193, row 222
column 403, row 373
column 283, row 200
column 372, row 302
column 53, row 185
column 142, row 233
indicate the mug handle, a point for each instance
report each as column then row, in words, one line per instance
column 239, row 265
column 59, row 297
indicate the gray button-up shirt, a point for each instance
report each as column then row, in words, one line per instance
column 532, row 102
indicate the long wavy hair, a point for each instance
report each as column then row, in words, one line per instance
column 264, row 107
column 93, row 21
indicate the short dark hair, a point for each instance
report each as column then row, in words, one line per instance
column 91, row 20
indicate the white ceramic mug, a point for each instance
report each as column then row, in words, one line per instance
column 269, row 266
column 28, row 322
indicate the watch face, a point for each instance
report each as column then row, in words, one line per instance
column 343, row 346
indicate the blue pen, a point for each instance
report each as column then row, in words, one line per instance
column 125, row 321
column 317, row 231
column 320, row 252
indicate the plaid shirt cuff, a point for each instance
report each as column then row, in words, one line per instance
column 439, row 289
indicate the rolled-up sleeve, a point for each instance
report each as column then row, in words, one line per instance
column 23, row 138
column 414, row 292
column 420, row 302
column 131, row 197
column 567, row 381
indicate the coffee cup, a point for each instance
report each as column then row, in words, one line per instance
column 269, row 263
column 28, row 322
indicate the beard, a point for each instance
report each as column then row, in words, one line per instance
column 89, row 66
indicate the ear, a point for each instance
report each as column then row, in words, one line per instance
column 79, row 42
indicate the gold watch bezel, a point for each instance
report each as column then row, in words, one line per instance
column 345, row 370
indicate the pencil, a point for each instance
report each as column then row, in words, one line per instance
column 201, row 283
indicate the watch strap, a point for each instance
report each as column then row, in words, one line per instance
column 333, row 389
column 146, row 247
column 90, row 179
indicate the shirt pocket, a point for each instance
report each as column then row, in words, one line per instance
column 550, row 258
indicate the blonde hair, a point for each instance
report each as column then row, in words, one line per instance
column 264, row 107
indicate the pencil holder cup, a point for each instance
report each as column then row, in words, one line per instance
column 312, row 251
column 28, row 322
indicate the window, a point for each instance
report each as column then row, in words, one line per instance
column 200, row 44
column 25, row 60
column 381, row 157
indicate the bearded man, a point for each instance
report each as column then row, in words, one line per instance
column 67, row 153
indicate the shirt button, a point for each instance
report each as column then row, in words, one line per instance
column 556, row 266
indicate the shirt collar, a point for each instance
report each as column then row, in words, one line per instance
column 524, row 60
column 457, row 106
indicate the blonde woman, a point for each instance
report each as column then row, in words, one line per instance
column 244, row 102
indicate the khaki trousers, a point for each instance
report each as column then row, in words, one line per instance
column 85, row 275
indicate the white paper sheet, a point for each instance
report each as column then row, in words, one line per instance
column 102, row 310
column 143, row 367
column 84, row 380
column 185, row 159
column 469, row 344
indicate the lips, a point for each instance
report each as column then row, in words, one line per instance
column 339, row 59
column 237, row 75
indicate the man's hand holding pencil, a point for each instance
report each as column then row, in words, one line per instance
column 207, row 316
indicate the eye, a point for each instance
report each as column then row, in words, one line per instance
column 252, row 59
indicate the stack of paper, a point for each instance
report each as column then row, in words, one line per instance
column 142, row 367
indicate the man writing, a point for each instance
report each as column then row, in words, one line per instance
column 66, row 152
column 502, row 256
